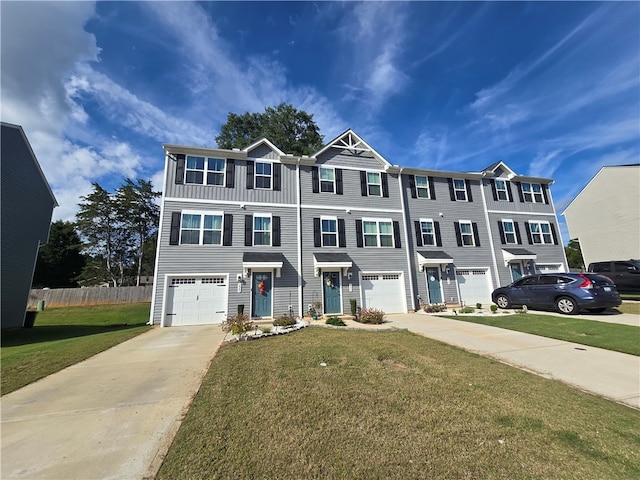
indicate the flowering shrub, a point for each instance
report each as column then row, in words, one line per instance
column 435, row 308
column 284, row 321
column 237, row 325
column 371, row 315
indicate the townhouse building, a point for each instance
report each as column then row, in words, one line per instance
column 276, row 233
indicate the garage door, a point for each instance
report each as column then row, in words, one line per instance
column 384, row 291
column 197, row 301
column 474, row 286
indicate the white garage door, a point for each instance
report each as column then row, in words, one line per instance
column 197, row 301
column 474, row 286
column 384, row 291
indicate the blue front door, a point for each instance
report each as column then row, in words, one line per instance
column 516, row 271
column 261, row 304
column 331, row 289
column 433, row 285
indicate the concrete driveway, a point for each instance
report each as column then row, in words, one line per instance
column 112, row 416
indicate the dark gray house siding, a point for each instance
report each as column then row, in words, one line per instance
column 27, row 206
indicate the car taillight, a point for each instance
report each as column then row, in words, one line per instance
column 586, row 283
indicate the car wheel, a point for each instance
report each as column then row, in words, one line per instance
column 597, row 310
column 503, row 301
column 566, row 305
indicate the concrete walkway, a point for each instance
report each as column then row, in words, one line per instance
column 112, row 416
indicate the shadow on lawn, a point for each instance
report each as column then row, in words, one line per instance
column 13, row 337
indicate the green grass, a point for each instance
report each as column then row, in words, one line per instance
column 610, row 336
column 63, row 337
column 392, row 405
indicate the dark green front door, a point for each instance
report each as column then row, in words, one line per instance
column 331, row 288
column 433, row 285
column 261, row 304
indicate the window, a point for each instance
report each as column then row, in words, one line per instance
column 428, row 232
column 501, row 190
column 460, row 189
column 509, row 232
column 263, row 175
column 532, row 193
column 377, row 233
column 466, row 234
column 329, row 232
column 200, row 168
column 201, row 229
column 261, row 230
column 422, row 186
column 541, row 233
column 374, row 184
column 327, row 179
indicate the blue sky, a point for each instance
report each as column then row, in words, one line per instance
column 550, row 88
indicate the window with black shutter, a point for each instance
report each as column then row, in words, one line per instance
column 249, row 175
column 342, row 234
column 228, row 230
column 359, row 240
column 179, row 168
column 276, row 231
column 317, row 242
column 174, row 234
column 248, row 230
column 231, row 173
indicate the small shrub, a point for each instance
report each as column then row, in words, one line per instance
column 335, row 321
column 494, row 308
column 354, row 306
column 284, row 321
column 265, row 329
column 435, row 308
column 467, row 310
column 371, row 315
column 478, row 306
column 237, row 325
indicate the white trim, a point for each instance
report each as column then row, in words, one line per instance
column 464, row 189
column 507, row 212
column 406, row 242
column 510, row 257
column 515, row 236
column 266, row 142
column 336, row 233
column 428, row 187
column 367, row 172
column 440, row 272
column 231, row 202
column 252, row 293
column 473, row 237
column 299, row 242
column 253, row 229
column 494, row 261
column 329, row 270
column 352, row 208
column 255, row 174
column 205, row 170
column 330, row 266
column 202, row 214
column 351, row 134
column 435, row 239
column 333, row 182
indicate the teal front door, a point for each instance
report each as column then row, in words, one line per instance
column 516, row 271
column 433, row 285
column 331, row 289
column 261, row 304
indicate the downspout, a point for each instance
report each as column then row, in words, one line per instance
column 406, row 240
column 299, row 232
column 496, row 280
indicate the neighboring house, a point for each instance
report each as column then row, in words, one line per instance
column 605, row 215
column 277, row 232
column 27, row 205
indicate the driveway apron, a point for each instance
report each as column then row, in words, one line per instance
column 112, row 416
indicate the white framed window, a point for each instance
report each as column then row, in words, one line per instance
column 532, row 192
column 327, row 180
column 466, row 233
column 329, row 231
column 377, row 232
column 204, row 170
column 200, row 228
column 509, row 232
column 374, row 184
column 262, row 230
column 501, row 189
column 460, row 189
column 263, row 175
column 541, row 233
column 428, row 231
column 422, row 186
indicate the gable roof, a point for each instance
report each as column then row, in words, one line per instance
column 263, row 141
column 350, row 140
column 500, row 165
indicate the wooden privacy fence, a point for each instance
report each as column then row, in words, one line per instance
column 68, row 297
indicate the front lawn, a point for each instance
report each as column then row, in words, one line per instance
column 610, row 336
column 65, row 336
column 392, row 405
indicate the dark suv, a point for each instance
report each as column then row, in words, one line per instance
column 624, row 273
column 565, row 292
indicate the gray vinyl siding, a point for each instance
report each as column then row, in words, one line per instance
column 264, row 152
column 27, row 205
column 218, row 259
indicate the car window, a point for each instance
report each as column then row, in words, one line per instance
column 565, row 280
column 623, row 266
column 527, row 281
column 548, row 280
column 602, row 267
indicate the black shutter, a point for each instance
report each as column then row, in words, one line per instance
column 363, row 183
column 249, row 175
column 476, row 235
column 432, row 190
column 315, row 180
column 528, row 229
column 231, row 173
column 501, row 230
column 517, row 227
column 174, row 234
column 275, row 238
column 510, row 193
column 519, row 187
column 452, row 194
column 228, row 230
column 554, row 234
column 494, row 191
column 342, row 234
column 317, row 241
column 436, row 227
column 469, row 195
column 338, row 181
column 179, row 168
column 385, row 185
column 418, row 228
column 277, row 173
column 412, row 186
column 456, row 225
column 396, row 234
column 359, row 239
column 545, row 193
column 248, row 230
